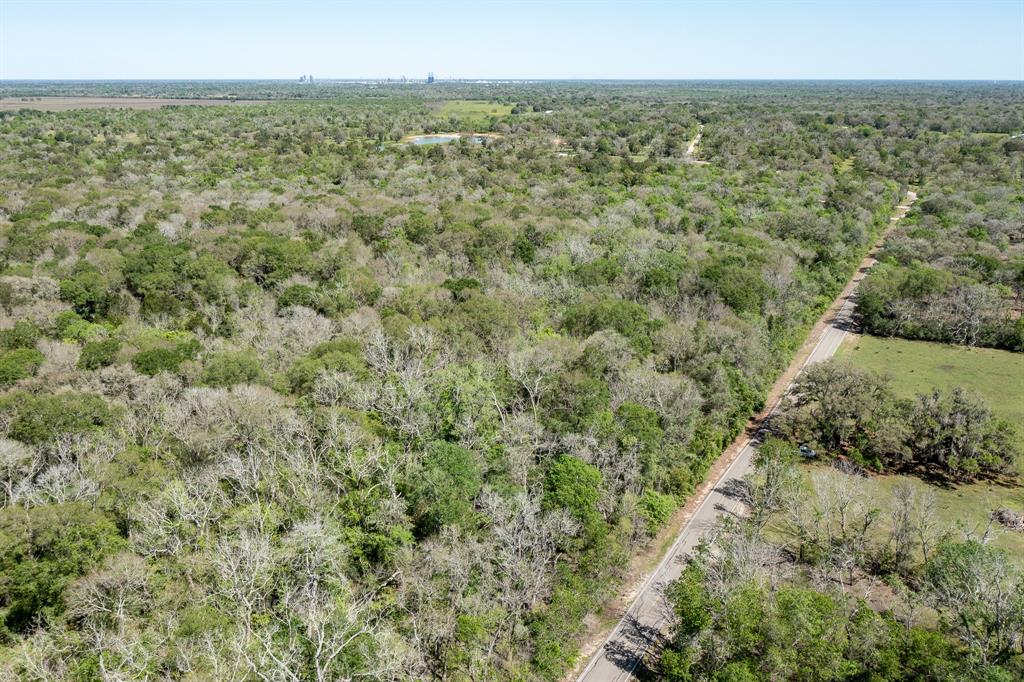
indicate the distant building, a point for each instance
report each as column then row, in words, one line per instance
column 430, row 78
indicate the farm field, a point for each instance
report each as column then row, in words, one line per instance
column 920, row 366
column 473, row 109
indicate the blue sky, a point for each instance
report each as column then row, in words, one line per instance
column 271, row 39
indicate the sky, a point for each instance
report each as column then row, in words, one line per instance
column 138, row 39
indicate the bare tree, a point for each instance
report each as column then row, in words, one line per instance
column 981, row 596
column 17, row 462
column 525, row 551
column 110, row 596
column 775, row 485
column 913, row 524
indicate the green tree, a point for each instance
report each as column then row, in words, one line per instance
column 574, row 485
column 442, row 489
column 96, row 354
column 228, row 368
column 40, row 418
column 626, row 317
column 958, row 434
column 45, row 548
column 19, row 363
column 23, row 334
column 980, row 594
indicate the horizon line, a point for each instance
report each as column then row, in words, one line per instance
column 517, row 79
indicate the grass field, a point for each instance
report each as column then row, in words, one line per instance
column 958, row 509
column 919, row 366
column 473, row 109
column 964, row 505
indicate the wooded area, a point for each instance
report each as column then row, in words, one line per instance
column 287, row 398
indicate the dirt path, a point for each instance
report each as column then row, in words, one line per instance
column 614, row 651
column 695, row 141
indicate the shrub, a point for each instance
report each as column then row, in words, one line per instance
column 230, row 368
column 19, row 363
column 45, row 548
column 96, row 354
column 40, row 418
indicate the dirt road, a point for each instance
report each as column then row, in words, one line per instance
column 648, row 617
column 695, row 141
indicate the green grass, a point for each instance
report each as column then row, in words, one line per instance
column 958, row 509
column 473, row 109
column 920, row 366
column 964, row 505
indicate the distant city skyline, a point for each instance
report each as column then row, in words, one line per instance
column 50, row 39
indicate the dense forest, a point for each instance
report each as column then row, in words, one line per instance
column 287, row 397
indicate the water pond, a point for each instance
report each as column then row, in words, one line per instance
column 433, row 139
column 443, row 138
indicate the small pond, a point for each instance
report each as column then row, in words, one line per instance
column 442, row 138
column 433, row 139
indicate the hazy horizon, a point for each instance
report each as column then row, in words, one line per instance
column 398, row 80
column 228, row 40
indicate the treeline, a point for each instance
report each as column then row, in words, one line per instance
column 843, row 410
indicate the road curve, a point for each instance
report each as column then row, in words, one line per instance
column 646, row 620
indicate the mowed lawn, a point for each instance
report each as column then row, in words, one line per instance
column 920, row 366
